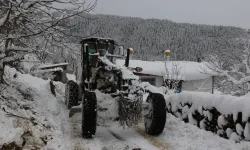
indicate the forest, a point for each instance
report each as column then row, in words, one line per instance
column 151, row 37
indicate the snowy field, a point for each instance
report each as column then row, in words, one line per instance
column 59, row 132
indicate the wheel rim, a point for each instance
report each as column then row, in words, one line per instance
column 148, row 113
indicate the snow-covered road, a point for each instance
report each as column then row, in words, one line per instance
column 108, row 137
column 67, row 131
column 176, row 136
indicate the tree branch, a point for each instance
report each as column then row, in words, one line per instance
column 4, row 19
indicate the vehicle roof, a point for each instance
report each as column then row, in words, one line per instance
column 96, row 39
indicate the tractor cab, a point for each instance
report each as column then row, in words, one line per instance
column 101, row 47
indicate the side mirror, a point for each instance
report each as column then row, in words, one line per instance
column 138, row 69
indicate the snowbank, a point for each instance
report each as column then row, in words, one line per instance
column 29, row 61
column 8, row 132
column 71, row 77
column 185, row 136
column 216, row 113
column 29, row 111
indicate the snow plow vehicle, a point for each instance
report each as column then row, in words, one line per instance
column 99, row 72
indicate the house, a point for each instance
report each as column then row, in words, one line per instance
column 191, row 76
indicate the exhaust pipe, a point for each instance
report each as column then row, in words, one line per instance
column 127, row 57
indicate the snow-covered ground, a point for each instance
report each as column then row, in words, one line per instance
column 53, row 125
column 185, row 136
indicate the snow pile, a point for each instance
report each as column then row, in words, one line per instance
column 29, row 61
column 126, row 74
column 247, row 95
column 8, row 132
column 30, row 112
column 71, row 77
column 148, row 88
column 225, row 104
column 105, row 101
column 185, row 136
column 225, row 115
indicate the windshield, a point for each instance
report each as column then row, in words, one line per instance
column 92, row 48
column 109, row 47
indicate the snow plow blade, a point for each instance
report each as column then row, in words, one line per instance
column 74, row 110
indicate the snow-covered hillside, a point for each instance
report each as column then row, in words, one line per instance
column 34, row 118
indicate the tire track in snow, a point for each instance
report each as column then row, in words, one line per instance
column 103, row 140
column 107, row 138
column 110, row 141
column 79, row 143
column 132, row 138
column 113, row 137
column 157, row 142
column 116, row 136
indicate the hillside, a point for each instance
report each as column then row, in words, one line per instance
column 151, row 37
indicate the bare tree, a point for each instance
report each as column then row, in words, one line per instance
column 171, row 74
column 34, row 25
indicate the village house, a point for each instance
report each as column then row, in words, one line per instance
column 191, row 76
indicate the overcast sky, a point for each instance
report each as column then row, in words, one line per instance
column 219, row 12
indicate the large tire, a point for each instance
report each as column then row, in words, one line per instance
column 89, row 114
column 71, row 94
column 155, row 118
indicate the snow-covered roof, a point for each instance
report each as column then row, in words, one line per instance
column 52, row 66
column 184, row 70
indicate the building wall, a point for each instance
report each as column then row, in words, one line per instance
column 158, row 80
column 204, row 85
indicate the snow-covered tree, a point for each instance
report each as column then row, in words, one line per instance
column 235, row 67
column 35, row 25
column 149, row 37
